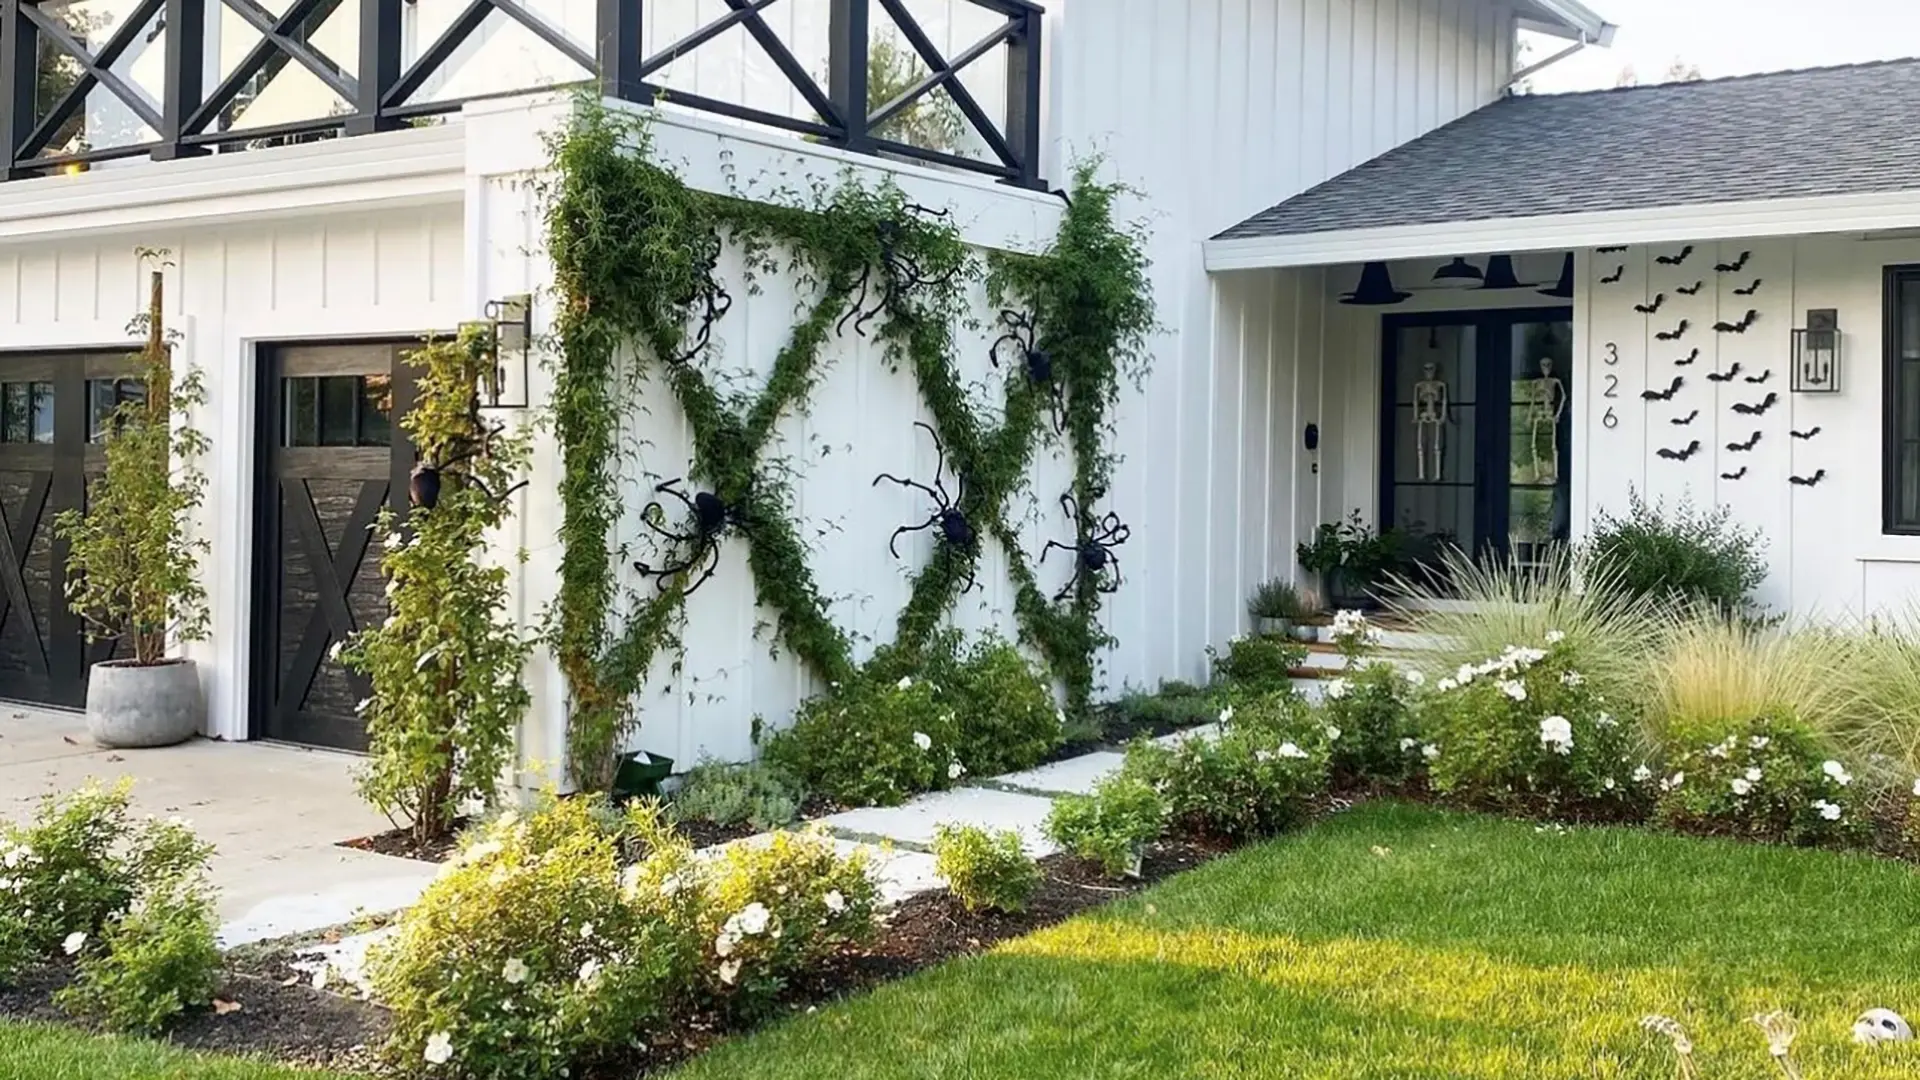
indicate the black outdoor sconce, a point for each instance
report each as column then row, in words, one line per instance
column 507, row 331
column 1816, row 354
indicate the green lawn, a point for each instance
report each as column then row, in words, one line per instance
column 32, row 1052
column 1468, row 948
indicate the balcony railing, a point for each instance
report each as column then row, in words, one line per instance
column 163, row 78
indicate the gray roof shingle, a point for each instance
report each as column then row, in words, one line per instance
column 1822, row 131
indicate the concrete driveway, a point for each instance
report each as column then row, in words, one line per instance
column 274, row 813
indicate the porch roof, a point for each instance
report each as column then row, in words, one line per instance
column 1795, row 137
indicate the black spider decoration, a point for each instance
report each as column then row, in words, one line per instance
column 899, row 272
column 958, row 539
column 1093, row 554
column 429, row 478
column 710, row 518
column 1021, row 336
column 709, row 295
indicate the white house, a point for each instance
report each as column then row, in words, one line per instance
column 1288, row 155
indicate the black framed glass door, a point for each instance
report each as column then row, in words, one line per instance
column 1477, row 430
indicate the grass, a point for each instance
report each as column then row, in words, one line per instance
column 1399, row 942
column 1716, row 674
column 37, row 1052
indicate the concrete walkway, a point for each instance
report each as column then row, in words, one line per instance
column 273, row 813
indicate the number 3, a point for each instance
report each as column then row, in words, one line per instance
column 1613, row 354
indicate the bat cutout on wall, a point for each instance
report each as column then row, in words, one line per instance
column 1724, row 376
column 1618, row 273
column 1809, row 481
column 1680, row 455
column 1676, row 333
column 1734, row 475
column 1691, row 290
column 1743, row 447
column 1664, row 395
column 1760, row 378
column 1610, row 250
column 1736, row 265
column 1649, row 309
column 1688, row 419
column 1687, row 359
column 1676, row 260
column 1740, row 327
column 1805, row 434
column 1751, row 289
column 1760, row 409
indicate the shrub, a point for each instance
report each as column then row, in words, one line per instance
column 1111, row 827
column 1716, row 674
column 1259, row 663
column 1276, row 599
column 1175, row 705
column 985, row 870
column 1770, row 778
column 1680, row 556
column 757, row 795
column 871, row 742
column 1006, row 715
column 1369, row 716
column 1881, row 723
column 1251, row 780
column 1526, row 730
column 153, row 963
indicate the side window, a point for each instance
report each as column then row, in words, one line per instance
column 1901, row 446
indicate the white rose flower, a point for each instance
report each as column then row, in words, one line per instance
column 586, row 931
column 515, row 972
column 1556, row 734
column 439, row 1048
column 1572, row 678
column 835, row 902
column 1606, row 720
column 1829, row 811
column 74, row 943
column 1555, row 637
column 1226, row 715
column 1431, row 752
column 1414, row 677
column 363, row 706
column 1642, row 774
column 589, row 971
column 922, row 740
column 1337, row 689
column 334, row 652
column 754, row 918
column 1916, row 787
column 1742, row 786
column 1759, row 742
column 723, row 945
column 1608, row 783
column 729, row 971
column 1408, row 744
column 1333, row 733
column 955, row 771
column 1753, row 775
column 906, row 681
column 1837, row 772
column 1290, row 750
column 1515, row 690
column 1445, row 685
column 1673, row 781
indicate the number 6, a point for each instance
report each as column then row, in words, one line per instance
column 1610, row 421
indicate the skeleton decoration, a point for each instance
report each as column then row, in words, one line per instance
column 1546, row 400
column 709, row 520
column 898, row 273
column 1432, row 414
column 958, row 540
column 1021, row 340
column 1877, row 1026
column 1093, row 555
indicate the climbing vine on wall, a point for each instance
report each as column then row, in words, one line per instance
column 635, row 255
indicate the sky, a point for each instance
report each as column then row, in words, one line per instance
column 1735, row 37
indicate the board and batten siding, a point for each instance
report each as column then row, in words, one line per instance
column 377, row 273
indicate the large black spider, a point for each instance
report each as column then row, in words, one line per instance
column 428, row 477
column 898, row 271
column 710, row 518
column 1093, row 553
column 1038, row 363
column 958, row 540
column 709, row 294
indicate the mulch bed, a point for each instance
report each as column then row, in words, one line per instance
column 401, row 843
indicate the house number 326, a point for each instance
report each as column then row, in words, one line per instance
column 1611, row 420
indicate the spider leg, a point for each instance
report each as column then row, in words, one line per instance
column 1067, row 588
column 973, row 571
column 672, row 487
column 892, row 540
column 713, row 563
column 993, row 353
column 860, row 302
column 915, row 484
column 1070, row 508
column 1111, row 582
column 654, row 511
column 1051, row 544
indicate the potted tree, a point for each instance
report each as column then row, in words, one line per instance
column 1274, row 607
column 132, row 561
column 1347, row 556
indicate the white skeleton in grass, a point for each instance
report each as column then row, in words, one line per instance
column 1432, row 412
column 1881, row 1026
column 1546, row 401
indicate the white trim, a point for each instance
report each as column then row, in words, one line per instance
column 1708, row 221
column 1575, row 20
column 402, row 168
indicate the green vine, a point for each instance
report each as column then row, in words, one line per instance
column 634, row 252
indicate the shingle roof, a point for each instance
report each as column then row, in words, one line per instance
column 1822, row 131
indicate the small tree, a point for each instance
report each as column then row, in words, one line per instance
column 445, row 666
column 132, row 561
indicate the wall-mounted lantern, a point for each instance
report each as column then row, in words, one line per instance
column 508, row 332
column 1816, row 354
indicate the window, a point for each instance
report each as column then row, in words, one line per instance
column 337, row 410
column 1901, row 445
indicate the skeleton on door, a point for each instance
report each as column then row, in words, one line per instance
column 1546, row 401
column 1432, row 414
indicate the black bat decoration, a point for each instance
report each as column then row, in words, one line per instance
column 1751, row 289
column 1680, row 455
column 1691, row 290
column 1688, row 419
column 1676, row 333
column 1736, row 265
column 1610, row 250
column 1618, row 273
column 1735, row 475
column 1805, row 434
column 1809, row 481
column 1743, row 447
column 1676, row 260
column 1687, row 359
column 1758, row 410
column 1726, row 376
column 1653, row 308
column 1760, row 378
column 1664, row 395
column 1741, row 327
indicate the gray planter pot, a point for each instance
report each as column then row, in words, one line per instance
column 1306, row 634
column 132, row 706
column 1274, row 627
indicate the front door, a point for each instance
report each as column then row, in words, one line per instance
column 334, row 456
column 54, row 410
column 1477, row 431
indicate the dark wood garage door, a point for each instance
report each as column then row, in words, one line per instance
column 53, row 411
column 333, row 456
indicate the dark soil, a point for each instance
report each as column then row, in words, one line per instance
column 401, row 843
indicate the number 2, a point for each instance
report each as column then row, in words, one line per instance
column 1613, row 386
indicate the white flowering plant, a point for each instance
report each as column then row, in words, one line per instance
column 1354, row 636
column 1526, row 731
column 1111, row 827
column 1258, row 664
column 1007, row 717
column 1771, row 779
column 985, row 870
column 1374, row 710
column 1260, row 776
column 872, row 742
column 152, row 963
